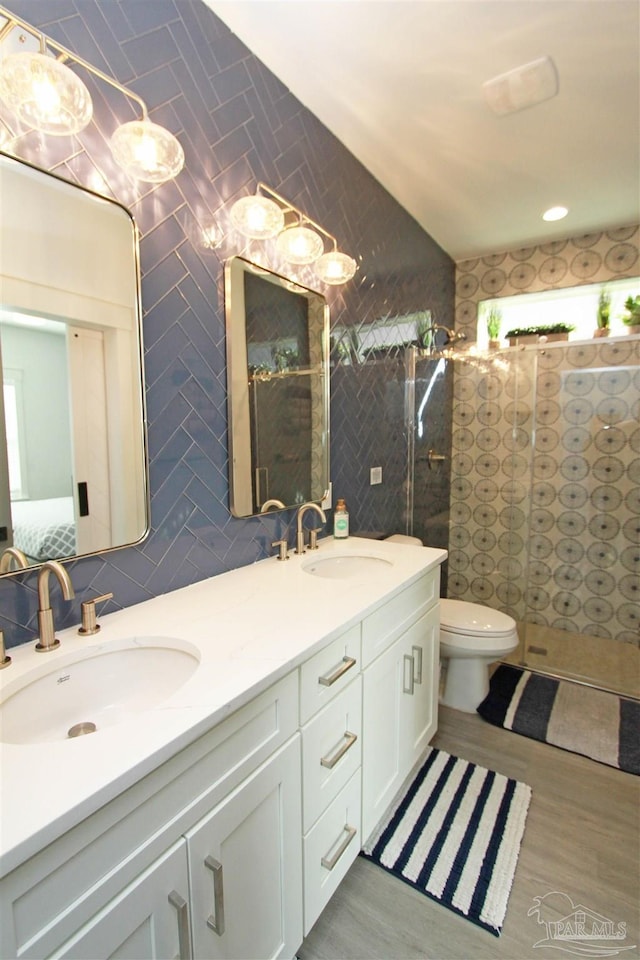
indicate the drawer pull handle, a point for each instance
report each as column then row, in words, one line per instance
column 407, row 661
column 345, row 664
column 185, row 946
column 330, row 862
column 417, row 659
column 216, row 920
column 349, row 740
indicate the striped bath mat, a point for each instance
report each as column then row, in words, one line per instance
column 455, row 835
column 596, row 724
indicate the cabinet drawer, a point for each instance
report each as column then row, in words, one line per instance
column 389, row 621
column 329, row 672
column 331, row 751
column 330, row 848
column 52, row 895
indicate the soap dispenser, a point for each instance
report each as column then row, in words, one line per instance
column 341, row 521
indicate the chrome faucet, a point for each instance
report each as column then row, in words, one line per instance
column 47, row 634
column 300, row 532
column 20, row 562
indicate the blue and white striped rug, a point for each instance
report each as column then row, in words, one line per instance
column 455, row 836
column 594, row 723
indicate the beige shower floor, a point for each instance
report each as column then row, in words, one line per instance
column 604, row 663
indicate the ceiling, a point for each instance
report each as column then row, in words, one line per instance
column 399, row 82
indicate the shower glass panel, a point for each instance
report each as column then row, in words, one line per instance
column 545, row 508
column 430, row 458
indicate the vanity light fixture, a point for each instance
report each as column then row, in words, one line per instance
column 299, row 244
column 47, row 95
column 257, row 218
column 335, row 267
column 300, row 239
column 147, row 151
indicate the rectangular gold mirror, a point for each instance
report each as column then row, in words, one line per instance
column 278, row 390
column 73, row 463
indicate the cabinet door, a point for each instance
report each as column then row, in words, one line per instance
column 420, row 707
column 150, row 918
column 399, row 715
column 381, row 733
column 245, row 867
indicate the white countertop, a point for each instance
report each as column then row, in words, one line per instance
column 248, row 627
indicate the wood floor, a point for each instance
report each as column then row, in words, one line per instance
column 582, row 839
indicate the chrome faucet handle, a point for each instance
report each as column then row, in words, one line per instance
column 5, row 661
column 282, row 549
column 313, row 537
column 88, row 608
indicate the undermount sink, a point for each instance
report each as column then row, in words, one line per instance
column 337, row 567
column 89, row 691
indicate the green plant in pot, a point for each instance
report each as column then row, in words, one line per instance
column 494, row 322
column 631, row 318
column 603, row 313
column 424, row 329
column 555, row 331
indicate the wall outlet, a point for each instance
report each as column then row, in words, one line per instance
column 375, row 475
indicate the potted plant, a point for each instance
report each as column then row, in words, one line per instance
column 631, row 319
column 541, row 333
column 424, row 329
column 494, row 322
column 603, row 313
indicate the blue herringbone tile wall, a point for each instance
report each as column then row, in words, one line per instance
column 238, row 124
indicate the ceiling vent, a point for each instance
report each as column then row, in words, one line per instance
column 523, row 87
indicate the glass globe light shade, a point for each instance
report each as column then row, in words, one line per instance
column 257, row 217
column 335, row 267
column 147, row 151
column 45, row 94
column 299, row 245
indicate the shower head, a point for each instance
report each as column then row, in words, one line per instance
column 451, row 336
column 454, row 336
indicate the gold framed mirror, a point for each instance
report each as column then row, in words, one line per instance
column 73, row 452
column 278, row 390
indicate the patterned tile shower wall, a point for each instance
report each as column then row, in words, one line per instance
column 590, row 258
column 545, row 508
column 238, row 124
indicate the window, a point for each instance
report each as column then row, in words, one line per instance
column 577, row 306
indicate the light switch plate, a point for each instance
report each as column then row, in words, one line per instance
column 375, row 475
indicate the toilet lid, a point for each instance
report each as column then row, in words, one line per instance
column 466, row 619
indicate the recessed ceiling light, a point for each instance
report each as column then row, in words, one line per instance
column 555, row 213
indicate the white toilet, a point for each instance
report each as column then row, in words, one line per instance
column 471, row 637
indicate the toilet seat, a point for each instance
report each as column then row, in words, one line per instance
column 472, row 629
column 469, row 619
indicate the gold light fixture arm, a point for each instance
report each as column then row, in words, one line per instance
column 290, row 207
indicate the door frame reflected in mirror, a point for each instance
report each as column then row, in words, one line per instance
column 72, row 256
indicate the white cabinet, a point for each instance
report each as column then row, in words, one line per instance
column 115, row 884
column 245, row 867
column 399, row 714
column 331, row 713
column 233, row 846
column 149, row 919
